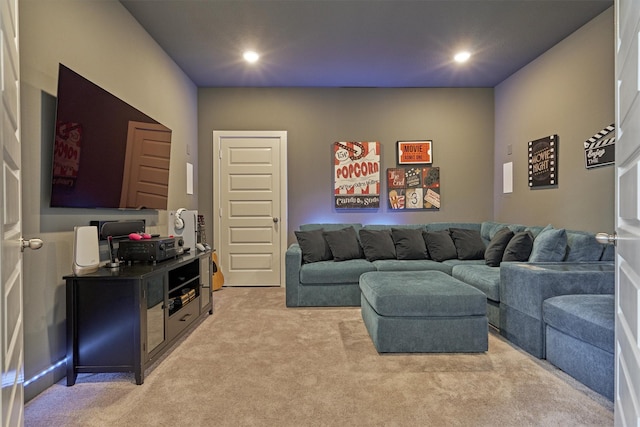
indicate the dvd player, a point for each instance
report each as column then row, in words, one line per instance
column 148, row 250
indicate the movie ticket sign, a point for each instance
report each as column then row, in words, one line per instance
column 415, row 152
column 356, row 175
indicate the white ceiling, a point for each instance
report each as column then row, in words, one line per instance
column 358, row 43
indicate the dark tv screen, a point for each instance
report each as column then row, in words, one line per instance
column 106, row 153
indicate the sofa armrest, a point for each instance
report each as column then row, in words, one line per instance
column 525, row 286
column 293, row 262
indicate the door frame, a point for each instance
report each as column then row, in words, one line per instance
column 217, row 192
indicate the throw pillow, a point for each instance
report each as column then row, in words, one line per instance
column 440, row 245
column 549, row 246
column 519, row 247
column 495, row 251
column 313, row 245
column 377, row 244
column 343, row 243
column 468, row 243
column 582, row 247
column 409, row 243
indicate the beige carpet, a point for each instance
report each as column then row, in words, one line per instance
column 257, row 363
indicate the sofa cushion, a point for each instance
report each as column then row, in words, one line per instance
column 468, row 243
column 409, row 243
column 343, row 243
column 332, row 273
column 582, row 246
column 519, row 247
column 494, row 252
column 411, row 265
column 589, row 318
column 313, row 245
column 440, row 245
column 549, row 246
column 377, row 244
column 481, row 277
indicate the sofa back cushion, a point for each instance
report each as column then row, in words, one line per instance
column 549, row 246
column 313, row 245
column 343, row 243
column 409, row 243
column 377, row 244
column 468, row 243
column 440, row 245
column 582, row 246
column 495, row 251
column 519, row 247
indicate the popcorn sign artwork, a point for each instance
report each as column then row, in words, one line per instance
column 356, row 175
column 543, row 162
column 414, row 188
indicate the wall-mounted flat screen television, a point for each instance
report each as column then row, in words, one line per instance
column 106, row 153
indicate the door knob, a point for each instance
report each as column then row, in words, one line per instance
column 275, row 219
column 31, row 244
column 607, row 239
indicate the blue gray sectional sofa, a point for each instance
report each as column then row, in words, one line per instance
column 556, row 262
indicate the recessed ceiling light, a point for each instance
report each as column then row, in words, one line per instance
column 462, row 56
column 250, row 56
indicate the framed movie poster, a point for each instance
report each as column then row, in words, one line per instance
column 356, row 175
column 543, row 162
column 415, row 152
column 600, row 151
column 413, row 188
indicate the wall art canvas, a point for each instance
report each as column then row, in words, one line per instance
column 600, row 151
column 413, row 188
column 356, row 175
column 415, row 152
column 543, row 162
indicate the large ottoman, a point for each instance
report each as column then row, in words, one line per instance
column 423, row 312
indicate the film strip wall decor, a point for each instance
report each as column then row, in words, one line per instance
column 543, row 162
column 356, row 175
column 600, row 151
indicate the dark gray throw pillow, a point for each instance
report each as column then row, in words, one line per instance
column 440, row 245
column 313, row 245
column 377, row 244
column 343, row 243
column 495, row 251
column 409, row 243
column 468, row 243
column 519, row 247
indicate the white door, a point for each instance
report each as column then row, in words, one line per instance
column 627, row 370
column 11, row 321
column 249, row 206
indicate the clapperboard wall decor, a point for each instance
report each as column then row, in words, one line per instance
column 543, row 162
column 600, row 151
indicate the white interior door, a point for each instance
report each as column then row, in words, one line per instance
column 11, row 318
column 250, row 223
column 627, row 371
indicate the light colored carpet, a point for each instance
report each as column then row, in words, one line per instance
column 257, row 363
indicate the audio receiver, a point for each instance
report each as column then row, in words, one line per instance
column 148, row 250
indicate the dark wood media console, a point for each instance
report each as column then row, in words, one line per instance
column 124, row 319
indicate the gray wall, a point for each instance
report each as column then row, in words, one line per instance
column 101, row 41
column 568, row 91
column 459, row 121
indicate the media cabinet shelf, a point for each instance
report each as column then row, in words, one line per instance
column 123, row 320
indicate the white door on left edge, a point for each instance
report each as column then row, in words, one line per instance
column 250, row 206
column 11, row 314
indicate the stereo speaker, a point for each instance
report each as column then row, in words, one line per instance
column 183, row 224
column 86, row 251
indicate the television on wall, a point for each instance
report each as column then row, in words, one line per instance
column 106, row 153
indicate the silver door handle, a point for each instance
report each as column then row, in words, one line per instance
column 31, row 244
column 275, row 219
column 607, row 239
